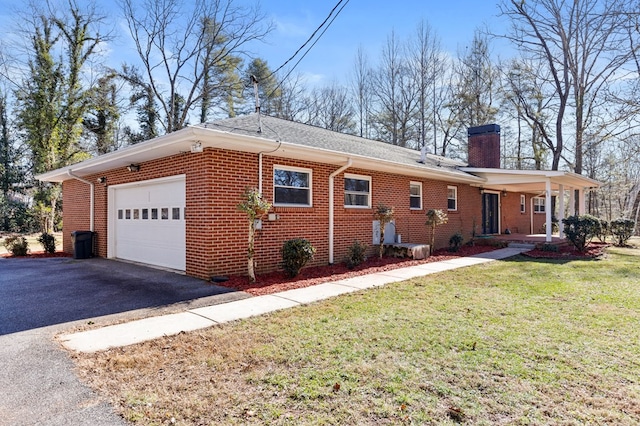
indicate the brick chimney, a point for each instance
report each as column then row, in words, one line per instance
column 484, row 146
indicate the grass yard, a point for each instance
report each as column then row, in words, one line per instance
column 32, row 240
column 521, row 341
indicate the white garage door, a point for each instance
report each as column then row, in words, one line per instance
column 148, row 222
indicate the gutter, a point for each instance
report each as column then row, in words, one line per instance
column 331, row 206
column 91, row 197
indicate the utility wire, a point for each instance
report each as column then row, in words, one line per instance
column 310, row 37
column 307, row 42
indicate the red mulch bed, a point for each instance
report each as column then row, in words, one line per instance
column 36, row 255
column 569, row 252
column 278, row 281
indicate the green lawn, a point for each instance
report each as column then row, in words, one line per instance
column 512, row 342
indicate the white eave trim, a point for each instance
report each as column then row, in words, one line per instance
column 214, row 138
column 506, row 177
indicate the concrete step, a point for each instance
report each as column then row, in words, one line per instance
column 529, row 246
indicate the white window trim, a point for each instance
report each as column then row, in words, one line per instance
column 537, row 204
column 523, row 203
column 455, row 188
column 419, row 185
column 292, row 169
column 359, row 177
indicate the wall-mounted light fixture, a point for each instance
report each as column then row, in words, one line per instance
column 102, row 179
column 481, row 190
column 133, row 167
column 504, row 192
column 196, row 147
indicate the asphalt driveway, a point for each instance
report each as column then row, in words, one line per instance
column 40, row 298
column 41, row 292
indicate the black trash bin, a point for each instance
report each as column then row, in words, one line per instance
column 82, row 244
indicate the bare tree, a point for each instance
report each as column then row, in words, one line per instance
column 426, row 64
column 584, row 45
column 475, row 84
column 330, row 107
column 362, row 92
column 189, row 50
column 396, row 96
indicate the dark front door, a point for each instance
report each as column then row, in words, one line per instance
column 490, row 213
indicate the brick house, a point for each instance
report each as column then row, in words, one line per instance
column 172, row 201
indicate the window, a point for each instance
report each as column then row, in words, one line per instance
column 136, row 214
column 357, row 191
column 127, row 214
column 164, row 213
column 452, row 198
column 415, row 195
column 120, row 214
column 291, row 186
column 154, row 214
column 539, row 205
column 175, row 213
column 523, row 203
column 145, row 214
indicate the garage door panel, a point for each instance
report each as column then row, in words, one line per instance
column 149, row 223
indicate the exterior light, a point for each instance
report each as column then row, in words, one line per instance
column 133, row 167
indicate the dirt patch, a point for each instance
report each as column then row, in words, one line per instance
column 278, row 281
column 569, row 252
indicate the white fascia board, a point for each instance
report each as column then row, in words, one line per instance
column 121, row 157
column 503, row 176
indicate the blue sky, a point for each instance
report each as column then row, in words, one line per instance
column 368, row 23
column 365, row 23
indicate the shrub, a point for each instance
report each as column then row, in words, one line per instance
column 435, row 217
column 48, row 242
column 295, row 254
column 622, row 230
column 602, row 231
column 580, row 230
column 455, row 242
column 17, row 246
column 357, row 254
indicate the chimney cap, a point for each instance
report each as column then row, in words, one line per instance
column 480, row 130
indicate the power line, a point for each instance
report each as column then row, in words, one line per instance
column 312, row 35
column 307, row 42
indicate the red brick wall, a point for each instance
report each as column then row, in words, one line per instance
column 484, row 150
column 217, row 232
column 516, row 221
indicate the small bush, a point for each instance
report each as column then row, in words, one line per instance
column 580, row 230
column 17, row 246
column 295, row 254
column 356, row 255
column 48, row 242
column 455, row 242
column 603, row 230
column 622, row 230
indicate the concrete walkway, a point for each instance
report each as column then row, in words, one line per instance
column 151, row 328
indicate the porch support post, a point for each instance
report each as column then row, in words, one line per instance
column 581, row 203
column 560, row 210
column 572, row 202
column 547, row 210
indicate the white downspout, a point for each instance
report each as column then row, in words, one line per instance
column 91, row 197
column 260, row 173
column 331, row 207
